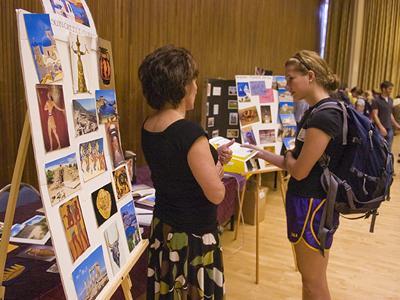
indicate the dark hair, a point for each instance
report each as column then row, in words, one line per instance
column 386, row 84
column 356, row 90
column 165, row 73
column 306, row 60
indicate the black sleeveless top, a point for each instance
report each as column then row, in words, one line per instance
column 180, row 201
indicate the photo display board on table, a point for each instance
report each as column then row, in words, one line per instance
column 84, row 184
column 222, row 109
column 287, row 132
column 258, row 114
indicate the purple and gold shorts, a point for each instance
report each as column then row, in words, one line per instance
column 303, row 217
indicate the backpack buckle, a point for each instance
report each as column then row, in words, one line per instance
column 346, row 186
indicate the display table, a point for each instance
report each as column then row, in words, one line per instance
column 36, row 283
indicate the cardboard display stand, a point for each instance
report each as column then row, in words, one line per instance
column 82, row 176
column 222, row 109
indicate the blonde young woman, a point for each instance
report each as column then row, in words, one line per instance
column 309, row 77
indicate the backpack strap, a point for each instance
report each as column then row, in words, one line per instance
column 326, row 225
column 339, row 106
column 328, row 180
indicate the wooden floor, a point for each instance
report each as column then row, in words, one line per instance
column 362, row 265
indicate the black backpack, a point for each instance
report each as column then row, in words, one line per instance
column 366, row 171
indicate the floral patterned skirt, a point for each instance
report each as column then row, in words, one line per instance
column 184, row 265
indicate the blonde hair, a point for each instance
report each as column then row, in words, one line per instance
column 306, row 60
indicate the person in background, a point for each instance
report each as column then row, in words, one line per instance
column 369, row 97
column 342, row 94
column 185, row 254
column 382, row 112
column 355, row 93
column 310, row 78
column 360, row 105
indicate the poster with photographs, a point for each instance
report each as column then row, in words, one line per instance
column 50, row 100
column 258, row 114
column 80, row 175
column 80, row 48
column 85, row 116
column 222, row 118
column 106, row 64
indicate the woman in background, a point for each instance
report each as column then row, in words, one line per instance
column 185, row 255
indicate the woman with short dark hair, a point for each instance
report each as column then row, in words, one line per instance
column 185, row 255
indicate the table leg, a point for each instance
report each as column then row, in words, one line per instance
column 257, row 200
column 240, row 213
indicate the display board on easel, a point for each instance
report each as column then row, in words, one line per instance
column 222, row 109
column 82, row 174
column 258, row 114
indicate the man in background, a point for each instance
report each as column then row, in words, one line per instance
column 382, row 112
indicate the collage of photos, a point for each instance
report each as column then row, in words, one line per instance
column 72, row 113
column 258, row 113
column 222, row 118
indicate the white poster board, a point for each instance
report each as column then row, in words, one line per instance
column 86, row 198
column 258, row 114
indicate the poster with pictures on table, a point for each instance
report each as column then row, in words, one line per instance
column 81, row 171
column 258, row 114
column 222, row 109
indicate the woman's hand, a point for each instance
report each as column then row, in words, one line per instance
column 224, row 153
column 220, row 170
column 252, row 147
column 276, row 160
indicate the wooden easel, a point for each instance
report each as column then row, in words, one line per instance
column 124, row 281
column 283, row 185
